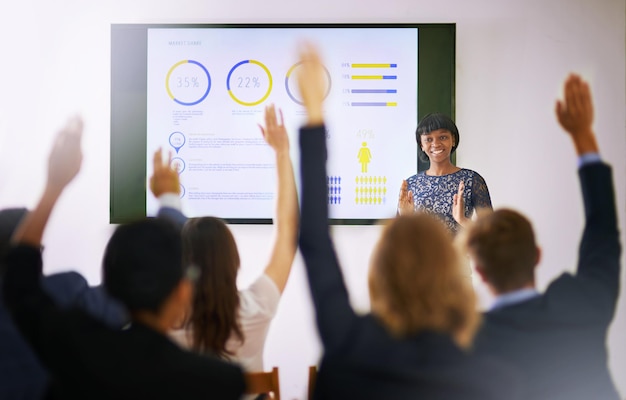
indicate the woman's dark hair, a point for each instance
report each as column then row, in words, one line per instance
column 432, row 122
column 209, row 245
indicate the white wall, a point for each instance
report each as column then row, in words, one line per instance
column 512, row 57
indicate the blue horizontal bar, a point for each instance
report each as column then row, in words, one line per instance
column 374, row 91
column 390, row 77
column 373, row 104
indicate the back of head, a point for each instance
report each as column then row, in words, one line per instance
column 142, row 263
column 503, row 245
column 416, row 281
column 9, row 220
column 209, row 245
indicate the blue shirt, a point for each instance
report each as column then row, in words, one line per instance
column 514, row 297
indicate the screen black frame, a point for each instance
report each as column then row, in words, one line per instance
column 129, row 51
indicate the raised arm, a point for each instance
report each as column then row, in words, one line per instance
column 575, row 114
column 63, row 165
column 599, row 251
column 23, row 294
column 286, row 241
column 165, row 186
column 335, row 317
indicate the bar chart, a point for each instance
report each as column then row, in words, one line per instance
column 370, row 84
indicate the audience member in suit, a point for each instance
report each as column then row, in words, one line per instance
column 21, row 374
column 142, row 268
column 413, row 343
column 70, row 288
column 556, row 338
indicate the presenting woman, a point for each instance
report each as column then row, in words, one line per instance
column 445, row 190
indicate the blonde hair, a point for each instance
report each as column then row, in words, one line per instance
column 416, row 281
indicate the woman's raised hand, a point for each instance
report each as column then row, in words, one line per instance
column 274, row 131
column 405, row 200
column 312, row 83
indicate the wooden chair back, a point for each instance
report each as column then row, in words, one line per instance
column 312, row 378
column 263, row 382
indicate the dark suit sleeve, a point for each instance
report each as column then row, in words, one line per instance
column 599, row 251
column 33, row 311
column 173, row 215
column 335, row 317
column 70, row 289
column 65, row 288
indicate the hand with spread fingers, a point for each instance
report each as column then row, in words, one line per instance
column 405, row 200
column 164, row 177
column 458, row 206
column 274, row 131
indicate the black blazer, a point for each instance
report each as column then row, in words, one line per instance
column 361, row 359
column 88, row 360
column 558, row 339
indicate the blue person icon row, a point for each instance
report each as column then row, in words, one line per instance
column 334, row 189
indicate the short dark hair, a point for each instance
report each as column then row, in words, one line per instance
column 142, row 263
column 503, row 245
column 432, row 122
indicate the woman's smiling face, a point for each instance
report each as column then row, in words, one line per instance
column 437, row 145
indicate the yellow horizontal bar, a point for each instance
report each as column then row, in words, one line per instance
column 392, row 104
column 367, row 77
column 370, row 65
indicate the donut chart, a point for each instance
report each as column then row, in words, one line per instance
column 188, row 82
column 291, row 86
column 249, row 83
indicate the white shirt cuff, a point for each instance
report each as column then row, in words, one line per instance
column 171, row 200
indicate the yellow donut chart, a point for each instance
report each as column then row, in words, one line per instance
column 194, row 83
column 249, row 103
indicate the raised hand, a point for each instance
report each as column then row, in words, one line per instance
column 274, row 132
column 286, row 239
column 312, row 83
column 458, row 206
column 164, row 177
column 64, row 164
column 405, row 200
column 575, row 114
column 66, row 156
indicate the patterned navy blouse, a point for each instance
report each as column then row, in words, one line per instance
column 433, row 194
